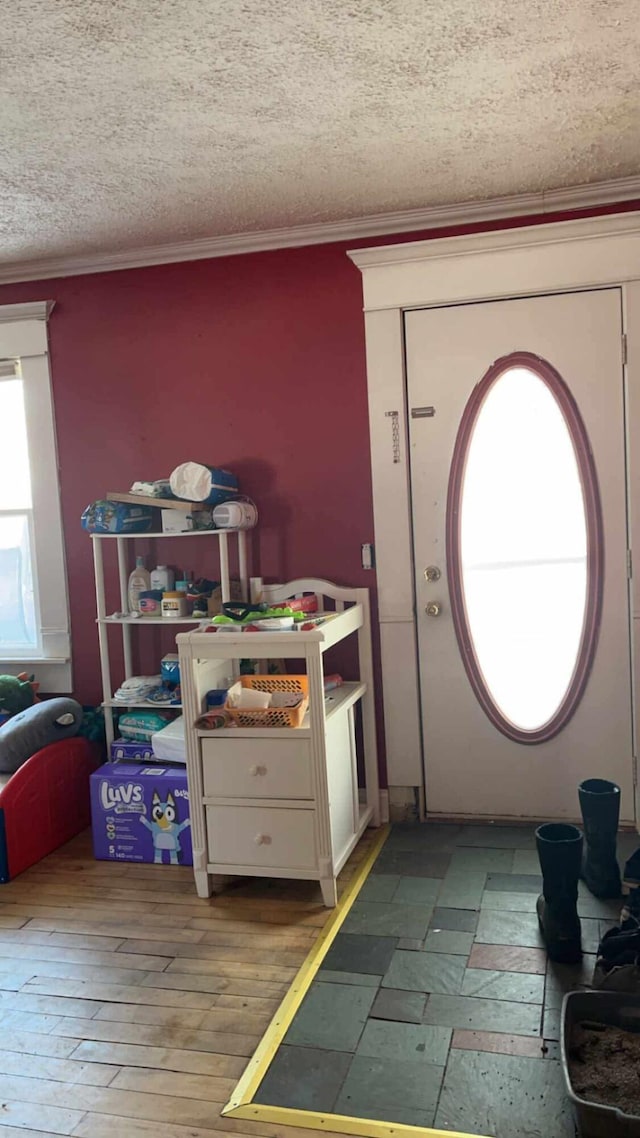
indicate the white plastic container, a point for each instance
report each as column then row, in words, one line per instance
column 168, row 744
column 235, row 515
column 162, row 578
column 139, row 582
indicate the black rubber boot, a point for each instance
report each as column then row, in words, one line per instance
column 560, row 853
column 600, row 806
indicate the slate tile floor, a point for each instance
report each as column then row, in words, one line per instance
column 436, row 1005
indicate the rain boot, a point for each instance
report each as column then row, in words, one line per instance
column 560, row 853
column 600, row 806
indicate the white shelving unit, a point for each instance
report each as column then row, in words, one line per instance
column 282, row 802
column 125, row 565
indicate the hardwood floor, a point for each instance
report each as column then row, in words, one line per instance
column 129, row 1006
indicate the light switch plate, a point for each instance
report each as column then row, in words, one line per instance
column 368, row 555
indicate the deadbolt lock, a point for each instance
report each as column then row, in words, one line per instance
column 432, row 573
column 434, row 608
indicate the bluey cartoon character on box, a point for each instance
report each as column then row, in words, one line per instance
column 164, row 828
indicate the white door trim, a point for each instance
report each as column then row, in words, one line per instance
column 563, row 256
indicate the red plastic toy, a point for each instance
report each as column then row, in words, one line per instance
column 45, row 804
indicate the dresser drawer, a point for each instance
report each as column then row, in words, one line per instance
column 266, row 768
column 261, row 836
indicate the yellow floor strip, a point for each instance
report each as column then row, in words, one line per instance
column 340, row 1123
column 241, row 1103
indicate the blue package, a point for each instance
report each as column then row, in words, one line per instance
column 216, row 697
column 170, row 669
column 104, row 516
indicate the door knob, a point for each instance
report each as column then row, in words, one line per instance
column 432, row 573
column 434, row 608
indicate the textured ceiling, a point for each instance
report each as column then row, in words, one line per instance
column 131, row 123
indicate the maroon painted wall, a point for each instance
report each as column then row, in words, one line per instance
column 254, row 362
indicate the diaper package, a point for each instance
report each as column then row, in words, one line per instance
column 104, row 516
column 140, row 812
column 140, row 725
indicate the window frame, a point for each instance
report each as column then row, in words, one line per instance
column 23, row 337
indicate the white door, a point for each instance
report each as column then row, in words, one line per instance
column 517, row 440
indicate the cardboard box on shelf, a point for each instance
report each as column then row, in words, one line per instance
column 176, row 521
column 214, row 602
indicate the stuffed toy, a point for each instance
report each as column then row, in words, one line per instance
column 16, row 693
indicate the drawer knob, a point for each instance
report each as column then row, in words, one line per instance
column 262, row 839
column 256, row 770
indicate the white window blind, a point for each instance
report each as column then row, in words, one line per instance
column 20, row 626
column 34, row 611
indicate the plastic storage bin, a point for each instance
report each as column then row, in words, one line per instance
column 272, row 716
column 618, row 1009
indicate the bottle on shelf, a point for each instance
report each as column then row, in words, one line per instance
column 162, row 578
column 139, row 582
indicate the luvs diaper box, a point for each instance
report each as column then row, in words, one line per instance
column 140, row 812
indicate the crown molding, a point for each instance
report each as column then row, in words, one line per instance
column 626, row 225
column 583, row 252
column 33, row 310
column 612, row 192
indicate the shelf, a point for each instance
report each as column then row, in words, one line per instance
column 185, row 533
column 219, row 549
column 154, row 621
column 158, row 503
column 342, row 698
column 142, row 703
column 267, row 644
column 303, row 732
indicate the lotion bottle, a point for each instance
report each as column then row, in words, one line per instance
column 139, row 582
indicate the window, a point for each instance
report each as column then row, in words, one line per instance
column 525, row 548
column 34, row 619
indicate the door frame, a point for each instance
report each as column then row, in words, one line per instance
column 568, row 256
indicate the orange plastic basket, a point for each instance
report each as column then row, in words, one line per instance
column 272, row 716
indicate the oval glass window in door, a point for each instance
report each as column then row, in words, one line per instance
column 524, row 548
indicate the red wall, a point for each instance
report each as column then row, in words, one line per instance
column 254, row 362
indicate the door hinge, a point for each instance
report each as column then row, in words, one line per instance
column 629, row 564
column 624, row 347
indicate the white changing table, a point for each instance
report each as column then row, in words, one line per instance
column 282, row 802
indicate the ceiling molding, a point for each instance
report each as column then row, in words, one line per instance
column 608, row 225
column 435, row 217
column 585, row 252
column 33, row 310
